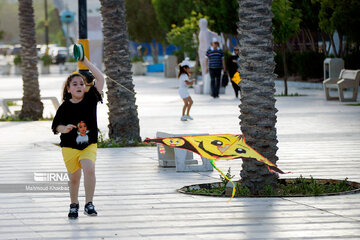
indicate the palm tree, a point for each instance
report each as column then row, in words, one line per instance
column 257, row 90
column 32, row 106
column 124, row 123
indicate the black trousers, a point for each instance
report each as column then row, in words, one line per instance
column 215, row 76
column 236, row 88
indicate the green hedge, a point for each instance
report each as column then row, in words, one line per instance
column 17, row 59
column 306, row 64
column 352, row 61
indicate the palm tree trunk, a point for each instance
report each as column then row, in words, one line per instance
column 257, row 90
column 123, row 117
column 32, row 107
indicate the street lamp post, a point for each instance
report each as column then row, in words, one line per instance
column 83, row 34
column 67, row 17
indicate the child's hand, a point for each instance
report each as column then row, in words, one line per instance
column 85, row 61
column 68, row 128
column 189, row 83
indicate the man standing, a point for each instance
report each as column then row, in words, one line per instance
column 233, row 67
column 215, row 63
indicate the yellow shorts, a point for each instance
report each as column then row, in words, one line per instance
column 73, row 156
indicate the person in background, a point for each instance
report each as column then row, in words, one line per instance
column 184, row 83
column 233, row 67
column 215, row 63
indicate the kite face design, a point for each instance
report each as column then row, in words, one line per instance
column 223, row 147
column 217, row 147
column 174, row 142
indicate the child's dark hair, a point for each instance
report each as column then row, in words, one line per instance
column 182, row 70
column 66, row 94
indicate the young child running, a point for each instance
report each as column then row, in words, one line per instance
column 76, row 120
column 184, row 83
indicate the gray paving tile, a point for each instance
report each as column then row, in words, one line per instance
column 138, row 200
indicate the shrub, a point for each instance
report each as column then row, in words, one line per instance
column 17, row 59
column 137, row 59
column 306, row 64
column 352, row 61
column 46, row 60
column 71, row 59
column 310, row 64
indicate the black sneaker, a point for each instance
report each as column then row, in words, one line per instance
column 74, row 208
column 90, row 209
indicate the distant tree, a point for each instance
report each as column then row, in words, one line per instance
column 56, row 34
column 9, row 22
column 1, row 34
column 348, row 21
column 341, row 16
column 286, row 24
column 143, row 25
column 309, row 25
column 223, row 13
column 186, row 35
column 32, row 106
column 169, row 12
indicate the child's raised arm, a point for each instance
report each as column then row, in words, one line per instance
column 100, row 80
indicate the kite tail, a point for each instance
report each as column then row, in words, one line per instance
column 234, row 189
column 273, row 169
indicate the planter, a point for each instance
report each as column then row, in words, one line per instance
column 44, row 69
column 70, row 67
column 170, row 66
column 138, row 68
column 17, row 70
column 5, row 69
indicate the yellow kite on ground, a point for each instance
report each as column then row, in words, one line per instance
column 217, row 147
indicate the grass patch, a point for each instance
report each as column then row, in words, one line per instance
column 284, row 187
column 11, row 104
column 111, row 143
column 17, row 119
column 289, row 95
column 207, row 191
column 353, row 104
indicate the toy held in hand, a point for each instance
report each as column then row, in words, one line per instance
column 78, row 52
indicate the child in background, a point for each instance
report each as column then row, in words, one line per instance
column 76, row 120
column 184, row 83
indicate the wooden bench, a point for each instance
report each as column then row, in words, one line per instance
column 6, row 110
column 182, row 159
column 347, row 79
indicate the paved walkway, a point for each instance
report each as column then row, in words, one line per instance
column 138, row 200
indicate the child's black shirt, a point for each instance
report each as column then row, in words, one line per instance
column 81, row 114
